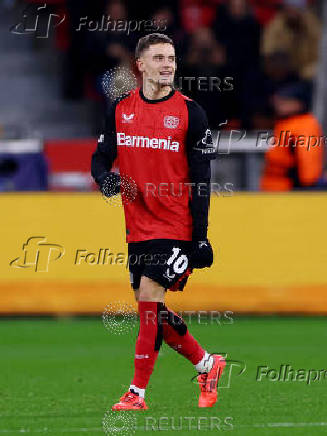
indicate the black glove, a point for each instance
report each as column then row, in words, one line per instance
column 109, row 184
column 201, row 255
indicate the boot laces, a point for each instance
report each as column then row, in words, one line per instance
column 202, row 379
column 128, row 397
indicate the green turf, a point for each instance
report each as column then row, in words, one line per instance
column 61, row 376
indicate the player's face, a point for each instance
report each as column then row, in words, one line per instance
column 158, row 64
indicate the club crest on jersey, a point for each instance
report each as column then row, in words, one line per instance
column 127, row 118
column 171, row 122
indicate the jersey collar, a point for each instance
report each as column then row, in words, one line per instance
column 172, row 92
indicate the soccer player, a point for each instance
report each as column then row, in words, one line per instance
column 163, row 145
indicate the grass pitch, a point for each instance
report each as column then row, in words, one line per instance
column 61, row 376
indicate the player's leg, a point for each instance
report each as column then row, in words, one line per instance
column 157, row 322
column 178, row 337
column 150, row 301
column 170, row 326
column 150, row 296
column 209, row 366
column 130, row 400
column 175, row 331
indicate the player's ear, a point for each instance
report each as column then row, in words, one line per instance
column 140, row 65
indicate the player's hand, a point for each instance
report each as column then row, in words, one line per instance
column 202, row 254
column 110, row 184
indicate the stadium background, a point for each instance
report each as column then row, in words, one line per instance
column 270, row 247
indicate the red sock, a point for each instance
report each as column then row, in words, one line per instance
column 176, row 335
column 147, row 344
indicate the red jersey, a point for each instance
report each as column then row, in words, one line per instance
column 155, row 143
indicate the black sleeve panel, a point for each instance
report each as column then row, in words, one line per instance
column 106, row 152
column 200, row 151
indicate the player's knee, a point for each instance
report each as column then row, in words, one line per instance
column 148, row 295
column 150, row 290
column 180, row 327
column 176, row 322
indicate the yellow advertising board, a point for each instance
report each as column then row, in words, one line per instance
column 65, row 253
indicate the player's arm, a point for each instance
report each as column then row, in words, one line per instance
column 104, row 156
column 200, row 152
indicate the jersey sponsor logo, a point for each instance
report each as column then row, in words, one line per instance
column 127, row 118
column 171, row 122
column 145, row 142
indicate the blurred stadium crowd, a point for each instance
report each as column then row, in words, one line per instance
column 261, row 44
column 254, row 50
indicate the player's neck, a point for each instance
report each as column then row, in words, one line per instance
column 152, row 92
